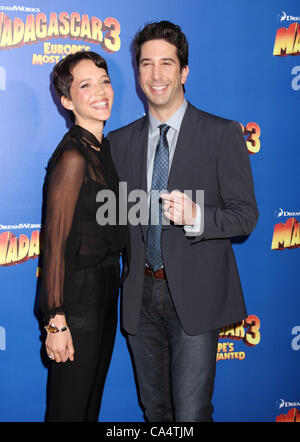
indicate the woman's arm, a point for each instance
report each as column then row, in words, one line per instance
column 63, row 190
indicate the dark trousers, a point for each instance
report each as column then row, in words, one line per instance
column 175, row 371
column 75, row 388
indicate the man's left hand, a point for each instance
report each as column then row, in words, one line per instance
column 179, row 208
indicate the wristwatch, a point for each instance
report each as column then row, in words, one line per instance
column 51, row 328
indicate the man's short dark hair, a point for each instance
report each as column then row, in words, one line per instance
column 163, row 30
column 62, row 72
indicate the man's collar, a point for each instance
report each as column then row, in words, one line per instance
column 174, row 121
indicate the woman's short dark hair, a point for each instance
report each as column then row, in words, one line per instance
column 163, row 30
column 62, row 72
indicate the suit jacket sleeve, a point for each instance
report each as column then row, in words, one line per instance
column 238, row 214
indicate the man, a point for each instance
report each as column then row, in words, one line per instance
column 183, row 284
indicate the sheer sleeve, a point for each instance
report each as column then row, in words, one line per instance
column 63, row 190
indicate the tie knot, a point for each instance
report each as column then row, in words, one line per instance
column 164, row 129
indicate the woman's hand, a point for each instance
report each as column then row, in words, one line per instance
column 59, row 346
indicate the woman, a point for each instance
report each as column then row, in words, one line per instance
column 81, row 275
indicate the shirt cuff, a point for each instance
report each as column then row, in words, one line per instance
column 196, row 228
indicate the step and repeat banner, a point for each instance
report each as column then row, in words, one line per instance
column 244, row 65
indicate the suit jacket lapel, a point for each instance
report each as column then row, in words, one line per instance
column 185, row 142
column 139, row 154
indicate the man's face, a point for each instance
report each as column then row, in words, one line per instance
column 160, row 76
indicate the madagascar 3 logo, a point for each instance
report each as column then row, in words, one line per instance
column 247, row 331
column 286, row 235
column 287, row 41
column 292, row 416
column 252, row 134
column 15, row 250
column 15, row 33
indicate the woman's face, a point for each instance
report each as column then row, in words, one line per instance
column 91, row 95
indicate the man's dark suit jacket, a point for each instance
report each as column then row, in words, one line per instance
column 201, row 271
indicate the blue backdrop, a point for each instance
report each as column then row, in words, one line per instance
column 235, row 73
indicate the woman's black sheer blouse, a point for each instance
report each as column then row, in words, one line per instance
column 72, row 238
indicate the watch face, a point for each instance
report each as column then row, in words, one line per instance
column 51, row 328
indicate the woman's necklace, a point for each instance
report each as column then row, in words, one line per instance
column 89, row 144
column 95, row 148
